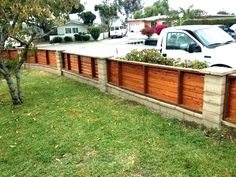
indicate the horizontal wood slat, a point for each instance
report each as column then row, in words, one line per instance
column 173, row 86
column 193, row 90
column 230, row 104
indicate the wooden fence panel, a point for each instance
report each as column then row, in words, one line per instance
column 193, row 90
column 65, row 61
column 112, row 72
column 13, row 54
column 41, row 56
column 86, row 66
column 162, row 84
column 9, row 54
column 230, row 104
column 96, row 69
column 30, row 58
column 52, row 58
column 132, row 77
column 74, row 63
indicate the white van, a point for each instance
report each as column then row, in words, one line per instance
column 117, row 31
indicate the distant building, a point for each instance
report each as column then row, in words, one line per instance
column 71, row 28
column 136, row 25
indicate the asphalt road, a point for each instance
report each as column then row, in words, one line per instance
column 104, row 48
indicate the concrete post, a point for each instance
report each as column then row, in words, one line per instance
column 102, row 74
column 214, row 94
column 59, row 62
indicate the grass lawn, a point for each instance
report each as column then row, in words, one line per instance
column 65, row 128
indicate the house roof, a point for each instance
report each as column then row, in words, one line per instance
column 73, row 22
column 153, row 18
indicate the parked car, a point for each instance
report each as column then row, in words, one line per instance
column 198, row 42
column 117, row 31
column 228, row 30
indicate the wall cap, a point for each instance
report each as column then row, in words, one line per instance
column 218, row 71
column 91, row 55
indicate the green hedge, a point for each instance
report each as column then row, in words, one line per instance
column 218, row 21
column 68, row 39
column 56, row 40
column 152, row 56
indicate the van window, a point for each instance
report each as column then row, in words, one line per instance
column 121, row 27
column 117, row 28
column 112, row 28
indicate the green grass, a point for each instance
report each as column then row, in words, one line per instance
column 65, row 128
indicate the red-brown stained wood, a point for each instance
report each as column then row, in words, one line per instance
column 113, row 72
column 193, row 91
column 30, row 57
column 52, row 58
column 4, row 55
column 41, row 55
column 132, row 77
column 65, row 62
column 231, row 114
column 162, row 84
column 74, row 63
column 13, row 54
column 96, row 69
column 86, row 66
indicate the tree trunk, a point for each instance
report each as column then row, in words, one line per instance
column 17, row 72
column 6, row 74
column 15, row 99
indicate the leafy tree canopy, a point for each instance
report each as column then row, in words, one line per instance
column 87, row 17
column 129, row 6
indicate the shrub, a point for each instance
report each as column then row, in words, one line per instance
column 78, row 37
column 68, row 39
column 152, row 56
column 210, row 21
column 56, row 40
column 95, row 32
column 85, row 37
column 147, row 31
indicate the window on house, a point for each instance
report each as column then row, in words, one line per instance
column 75, row 30
column 67, row 30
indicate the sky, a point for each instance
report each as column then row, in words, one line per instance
column 210, row 6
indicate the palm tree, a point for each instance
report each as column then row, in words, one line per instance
column 191, row 13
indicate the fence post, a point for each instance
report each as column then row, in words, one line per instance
column 102, row 73
column 59, row 62
column 214, row 95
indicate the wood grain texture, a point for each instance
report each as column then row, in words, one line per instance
column 52, row 58
column 193, row 91
column 162, row 84
column 41, row 55
column 231, row 112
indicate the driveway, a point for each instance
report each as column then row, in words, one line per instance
column 104, row 48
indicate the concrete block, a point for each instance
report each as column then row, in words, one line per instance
column 212, row 116
column 214, row 88
column 192, row 118
column 210, row 124
column 213, row 79
column 213, row 98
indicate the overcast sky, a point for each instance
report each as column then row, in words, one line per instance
column 211, row 6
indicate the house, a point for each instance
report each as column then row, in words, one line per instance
column 136, row 25
column 71, row 28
